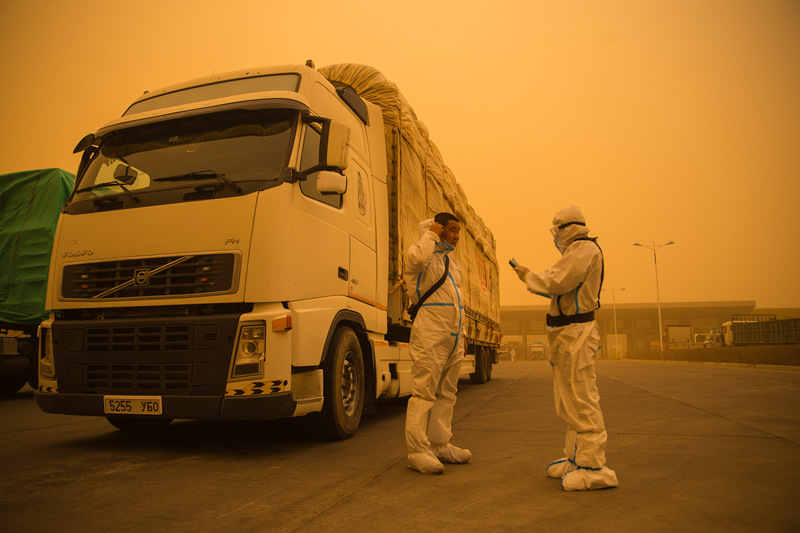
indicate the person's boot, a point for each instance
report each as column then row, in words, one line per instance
column 425, row 462
column 588, row 479
column 451, row 454
column 557, row 469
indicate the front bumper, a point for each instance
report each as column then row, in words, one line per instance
column 271, row 407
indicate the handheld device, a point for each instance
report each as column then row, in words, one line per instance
column 513, row 263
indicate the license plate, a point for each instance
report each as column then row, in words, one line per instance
column 132, row 405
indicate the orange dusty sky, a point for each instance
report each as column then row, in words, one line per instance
column 662, row 119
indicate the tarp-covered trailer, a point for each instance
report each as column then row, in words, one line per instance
column 30, row 203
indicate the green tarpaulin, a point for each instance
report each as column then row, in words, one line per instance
column 30, row 203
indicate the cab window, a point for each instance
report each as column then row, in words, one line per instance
column 309, row 158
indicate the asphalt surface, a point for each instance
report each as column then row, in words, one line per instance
column 696, row 448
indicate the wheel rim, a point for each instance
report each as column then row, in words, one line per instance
column 349, row 384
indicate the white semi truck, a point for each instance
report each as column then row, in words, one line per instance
column 234, row 249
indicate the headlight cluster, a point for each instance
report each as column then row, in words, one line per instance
column 250, row 350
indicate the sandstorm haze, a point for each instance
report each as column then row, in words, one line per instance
column 664, row 120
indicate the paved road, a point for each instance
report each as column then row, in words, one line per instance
column 696, row 448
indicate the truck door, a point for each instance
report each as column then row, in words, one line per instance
column 320, row 242
column 361, row 214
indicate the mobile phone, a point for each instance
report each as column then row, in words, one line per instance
column 513, row 263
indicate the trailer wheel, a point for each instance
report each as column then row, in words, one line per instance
column 343, row 376
column 29, row 348
column 482, row 372
column 126, row 423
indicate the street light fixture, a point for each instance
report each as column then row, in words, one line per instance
column 614, row 306
column 655, row 247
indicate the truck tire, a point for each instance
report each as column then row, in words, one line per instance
column 129, row 423
column 343, row 388
column 29, row 348
column 481, row 374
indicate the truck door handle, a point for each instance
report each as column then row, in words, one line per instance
column 343, row 274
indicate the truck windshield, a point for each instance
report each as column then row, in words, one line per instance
column 226, row 153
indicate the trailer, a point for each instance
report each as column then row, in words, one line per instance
column 754, row 329
column 30, row 202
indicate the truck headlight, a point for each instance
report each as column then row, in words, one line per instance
column 250, row 350
column 47, row 367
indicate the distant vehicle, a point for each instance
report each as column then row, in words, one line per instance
column 750, row 329
column 538, row 350
column 679, row 337
column 711, row 338
column 31, row 203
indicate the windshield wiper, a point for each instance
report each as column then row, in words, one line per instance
column 109, row 184
column 202, row 174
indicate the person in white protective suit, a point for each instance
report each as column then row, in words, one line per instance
column 436, row 346
column 573, row 285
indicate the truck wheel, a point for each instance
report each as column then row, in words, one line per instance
column 126, row 423
column 29, row 348
column 343, row 387
column 481, row 363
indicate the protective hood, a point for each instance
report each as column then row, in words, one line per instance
column 566, row 236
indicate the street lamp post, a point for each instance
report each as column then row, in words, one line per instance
column 614, row 306
column 655, row 247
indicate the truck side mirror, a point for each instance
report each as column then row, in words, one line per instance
column 331, row 182
column 335, row 147
column 84, row 143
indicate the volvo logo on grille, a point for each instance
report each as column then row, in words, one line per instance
column 141, row 277
column 77, row 253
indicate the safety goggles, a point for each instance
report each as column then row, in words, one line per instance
column 555, row 229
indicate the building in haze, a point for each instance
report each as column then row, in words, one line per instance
column 523, row 326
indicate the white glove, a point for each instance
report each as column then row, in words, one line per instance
column 522, row 271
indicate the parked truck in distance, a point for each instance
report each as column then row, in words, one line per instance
column 234, row 249
column 30, row 203
column 749, row 329
column 679, row 337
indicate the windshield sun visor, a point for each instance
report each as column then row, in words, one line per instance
column 296, row 104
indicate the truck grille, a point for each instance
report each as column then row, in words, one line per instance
column 172, row 377
column 175, row 276
column 139, row 338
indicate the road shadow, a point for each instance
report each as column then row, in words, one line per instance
column 241, row 438
column 25, row 394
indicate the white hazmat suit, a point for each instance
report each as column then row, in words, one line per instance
column 573, row 285
column 437, row 349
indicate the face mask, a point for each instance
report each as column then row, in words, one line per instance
column 448, row 247
column 555, row 241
